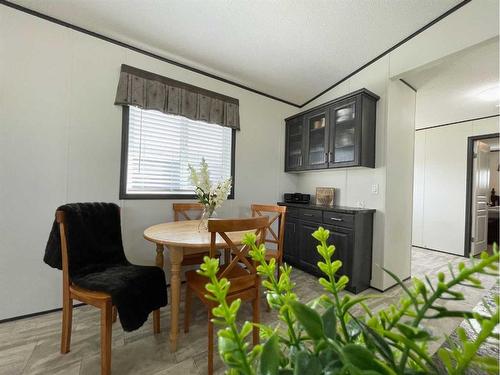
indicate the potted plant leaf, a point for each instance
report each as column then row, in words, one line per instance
column 327, row 337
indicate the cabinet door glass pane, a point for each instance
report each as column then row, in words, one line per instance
column 316, row 129
column 295, row 145
column 345, row 137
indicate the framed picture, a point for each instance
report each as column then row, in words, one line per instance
column 325, row 196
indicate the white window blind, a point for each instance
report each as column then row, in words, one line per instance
column 161, row 146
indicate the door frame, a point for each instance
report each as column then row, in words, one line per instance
column 468, row 194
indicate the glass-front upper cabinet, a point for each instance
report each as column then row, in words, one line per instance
column 316, row 141
column 345, row 142
column 294, row 144
column 337, row 134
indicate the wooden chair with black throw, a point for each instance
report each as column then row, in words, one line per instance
column 86, row 243
column 275, row 213
column 190, row 211
column 242, row 274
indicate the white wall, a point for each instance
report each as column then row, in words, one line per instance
column 354, row 184
column 394, row 165
column 440, row 184
column 60, row 142
column 399, row 180
column 447, row 92
column 60, row 139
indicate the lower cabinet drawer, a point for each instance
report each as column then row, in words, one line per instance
column 311, row 215
column 292, row 212
column 337, row 218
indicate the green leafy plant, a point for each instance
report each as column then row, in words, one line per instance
column 328, row 336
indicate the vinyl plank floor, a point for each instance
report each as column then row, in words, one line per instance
column 31, row 346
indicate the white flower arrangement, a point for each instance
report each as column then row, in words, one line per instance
column 210, row 195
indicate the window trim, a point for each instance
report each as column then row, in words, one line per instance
column 124, row 163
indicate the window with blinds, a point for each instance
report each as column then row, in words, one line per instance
column 160, row 148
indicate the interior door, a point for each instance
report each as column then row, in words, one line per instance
column 480, row 190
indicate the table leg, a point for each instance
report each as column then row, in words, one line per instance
column 176, row 255
column 159, row 255
column 159, row 263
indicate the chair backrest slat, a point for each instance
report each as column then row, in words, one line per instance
column 223, row 228
column 182, row 210
column 278, row 213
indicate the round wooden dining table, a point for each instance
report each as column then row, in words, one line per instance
column 181, row 238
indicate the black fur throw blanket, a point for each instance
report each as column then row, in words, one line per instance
column 97, row 262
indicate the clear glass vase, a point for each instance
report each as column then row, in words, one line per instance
column 208, row 212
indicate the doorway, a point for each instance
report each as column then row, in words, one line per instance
column 482, row 204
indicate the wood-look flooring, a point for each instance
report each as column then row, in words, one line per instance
column 31, row 346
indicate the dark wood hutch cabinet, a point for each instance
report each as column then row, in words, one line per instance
column 351, row 231
column 340, row 133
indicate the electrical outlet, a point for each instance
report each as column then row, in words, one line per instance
column 375, row 189
column 361, row 204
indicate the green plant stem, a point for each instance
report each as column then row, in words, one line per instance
column 482, row 337
column 294, row 340
column 283, row 299
column 441, row 289
column 231, row 322
column 335, row 293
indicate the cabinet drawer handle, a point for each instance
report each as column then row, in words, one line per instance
column 336, row 219
column 309, row 215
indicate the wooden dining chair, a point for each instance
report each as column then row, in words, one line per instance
column 240, row 271
column 275, row 213
column 190, row 211
column 101, row 300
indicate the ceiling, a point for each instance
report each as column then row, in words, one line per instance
column 472, row 70
column 459, row 86
column 289, row 49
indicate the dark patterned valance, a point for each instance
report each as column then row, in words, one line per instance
column 151, row 91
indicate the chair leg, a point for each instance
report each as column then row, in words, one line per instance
column 187, row 308
column 279, row 265
column 106, row 328
column 67, row 320
column 256, row 317
column 115, row 314
column 156, row 322
column 210, row 343
column 227, row 256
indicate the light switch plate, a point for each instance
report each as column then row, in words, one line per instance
column 375, row 189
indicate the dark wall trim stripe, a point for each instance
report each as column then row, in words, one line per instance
column 438, row 251
column 37, row 314
column 457, row 122
column 407, row 84
column 436, row 20
column 140, row 50
column 49, row 311
column 199, row 71
column 390, row 287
